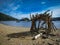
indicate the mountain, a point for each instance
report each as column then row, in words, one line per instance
column 4, row 17
column 24, row 19
column 56, row 19
column 53, row 19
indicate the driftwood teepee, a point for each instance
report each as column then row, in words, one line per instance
column 47, row 21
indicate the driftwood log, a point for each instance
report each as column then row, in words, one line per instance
column 37, row 36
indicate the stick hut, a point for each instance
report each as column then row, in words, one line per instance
column 47, row 21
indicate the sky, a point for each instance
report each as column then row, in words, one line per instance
column 23, row 8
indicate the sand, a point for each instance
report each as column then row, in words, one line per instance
column 10, row 35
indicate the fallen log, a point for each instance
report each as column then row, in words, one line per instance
column 37, row 36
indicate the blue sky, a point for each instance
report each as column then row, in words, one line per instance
column 23, row 8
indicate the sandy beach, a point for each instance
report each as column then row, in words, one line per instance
column 10, row 35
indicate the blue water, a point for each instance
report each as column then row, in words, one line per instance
column 14, row 23
column 25, row 23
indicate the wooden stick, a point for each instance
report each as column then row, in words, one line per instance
column 37, row 36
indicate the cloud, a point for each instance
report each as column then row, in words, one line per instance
column 13, row 6
column 22, row 16
column 43, row 2
column 55, row 9
column 16, row 7
column 19, row 15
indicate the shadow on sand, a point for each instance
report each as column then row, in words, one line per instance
column 21, row 34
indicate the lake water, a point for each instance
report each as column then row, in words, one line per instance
column 25, row 23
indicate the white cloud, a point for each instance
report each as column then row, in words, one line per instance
column 16, row 7
column 19, row 15
column 55, row 9
column 43, row 2
column 13, row 7
column 22, row 16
